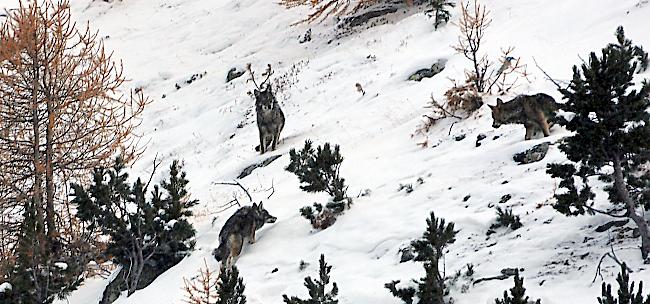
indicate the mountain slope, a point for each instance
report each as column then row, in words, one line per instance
column 165, row 42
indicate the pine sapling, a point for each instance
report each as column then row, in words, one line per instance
column 319, row 171
column 230, row 287
column 505, row 218
column 517, row 293
column 318, row 289
column 431, row 289
column 439, row 10
column 611, row 140
column 625, row 293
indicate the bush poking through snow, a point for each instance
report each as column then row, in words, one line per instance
column 431, row 289
column 517, row 293
column 505, row 218
column 611, row 137
column 144, row 233
column 625, row 292
column 319, row 171
column 318, row 289
column 319, row 217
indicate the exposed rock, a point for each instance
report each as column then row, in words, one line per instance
column 233, row 74
column 406, row 254
column 534, row 154
column 149, row 273
column 607, row 226
column 248, row 170
column 434, row 70
column 365, row 17
column 479, row 138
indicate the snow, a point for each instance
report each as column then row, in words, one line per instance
column 61, row 265
column 165, row 42
column 4, row 287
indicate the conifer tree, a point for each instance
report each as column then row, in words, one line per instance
column 230, row 287
column 517, row 293
column 439, row 9
column 611, row 138
column 319, row 169
column 318, row 289
column 141, row 232
column 625, row 291
column 431, row 288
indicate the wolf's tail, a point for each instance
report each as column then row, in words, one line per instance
column 221, row 252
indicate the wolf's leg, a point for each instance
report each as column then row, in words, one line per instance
column 529, row 131
column 262, row 143
column 544, row 125
column 276, row 138
column 251, row 238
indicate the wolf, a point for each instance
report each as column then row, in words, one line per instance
column 535, row 112
column 270, row 119
column 242, row 224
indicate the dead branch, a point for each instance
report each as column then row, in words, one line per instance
column 272, row 190
column 557, row 85
column 267, row 73
column 611, row 255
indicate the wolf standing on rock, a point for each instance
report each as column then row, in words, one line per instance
column 242, row 224
column 270, row 118
column 535, row 112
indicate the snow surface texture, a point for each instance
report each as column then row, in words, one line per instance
column 165, row 42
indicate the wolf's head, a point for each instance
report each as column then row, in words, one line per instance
column 262, row 216
column 264, row 100
column 497, row 114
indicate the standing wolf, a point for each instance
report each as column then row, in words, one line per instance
column 536, row 112
column 242, row 224
column 270, row 119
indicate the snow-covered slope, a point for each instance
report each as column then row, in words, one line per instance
column 165, row 42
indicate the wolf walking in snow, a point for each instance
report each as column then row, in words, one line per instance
column 535, row 112
column 270, row 118
column 242, row 224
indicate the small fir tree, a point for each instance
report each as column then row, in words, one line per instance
column 626, row 293
column 611, row 138
column 142, row 232
column 319, row 170
column 318, row 289
column 505, row 218
column 431, row 288
column 439, row 10
column 230, row 287
column 517, row 293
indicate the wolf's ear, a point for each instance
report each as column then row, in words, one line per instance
column 260, row 206
column 499, row 102
column 491, row 106
column 257, row 93
column 254, row 205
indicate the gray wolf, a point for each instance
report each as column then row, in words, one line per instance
column 242, row 224
column 270, row 119
column 535, row 112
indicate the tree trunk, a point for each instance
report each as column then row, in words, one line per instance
column 624, row 195
column 49, row 174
